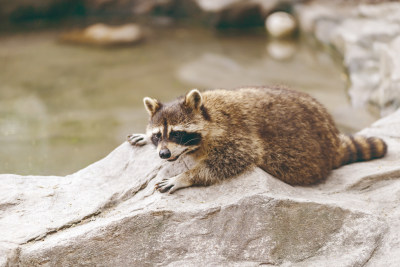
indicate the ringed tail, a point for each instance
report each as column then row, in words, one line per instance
column 359, row 148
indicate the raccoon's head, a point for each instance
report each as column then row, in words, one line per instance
column 177, row 128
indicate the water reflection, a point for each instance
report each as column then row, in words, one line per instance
column 281, row 49
column 63, row 107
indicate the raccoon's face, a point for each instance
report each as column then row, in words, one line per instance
column 177, row 128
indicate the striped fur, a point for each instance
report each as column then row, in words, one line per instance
column 359, row 148
column 287, row 133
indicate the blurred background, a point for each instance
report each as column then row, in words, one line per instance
column 73, row 73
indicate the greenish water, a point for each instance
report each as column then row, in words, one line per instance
column 63, row 107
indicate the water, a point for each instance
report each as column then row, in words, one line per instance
column 63, row 107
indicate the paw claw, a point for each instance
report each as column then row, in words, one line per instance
column 161, row 184
column 165, row 185
column 172, row 184
column 172, row 190
column 165, row 189
column 137, row 139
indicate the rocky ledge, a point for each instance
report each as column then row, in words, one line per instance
column 367, row 36
column 108, row 214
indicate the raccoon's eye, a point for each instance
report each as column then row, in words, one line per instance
column 155, row 138
column 185, row 138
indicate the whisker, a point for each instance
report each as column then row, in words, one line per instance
column 191, row 140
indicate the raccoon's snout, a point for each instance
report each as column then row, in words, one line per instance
column 165, row 153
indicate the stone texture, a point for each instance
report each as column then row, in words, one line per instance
column 367, row 37
column 108, row 214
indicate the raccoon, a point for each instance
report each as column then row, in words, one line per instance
column 286, row 133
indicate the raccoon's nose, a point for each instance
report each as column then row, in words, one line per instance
column 165, row 153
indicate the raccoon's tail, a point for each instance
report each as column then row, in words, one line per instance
column 359, row 148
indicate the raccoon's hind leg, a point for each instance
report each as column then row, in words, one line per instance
column 137, row 139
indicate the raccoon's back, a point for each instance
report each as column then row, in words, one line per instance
column 296, row 135
column 299, row 136
column 250, row 103
column 292, row 134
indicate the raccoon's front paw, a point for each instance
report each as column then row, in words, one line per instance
column 137, row 139
column 172, row 184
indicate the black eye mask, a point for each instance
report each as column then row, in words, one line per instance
column 184, row 138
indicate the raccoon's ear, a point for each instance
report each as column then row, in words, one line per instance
column 194, row 99
column 151, row 105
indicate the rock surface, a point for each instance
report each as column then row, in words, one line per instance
column 367, row 37
column 105, row 35
column 108, row 214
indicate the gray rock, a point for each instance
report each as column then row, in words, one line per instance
column 366, row 35
column 108, row 214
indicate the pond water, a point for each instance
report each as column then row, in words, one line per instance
column 63, row 106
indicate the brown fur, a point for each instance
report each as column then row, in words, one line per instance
column 286, row 133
